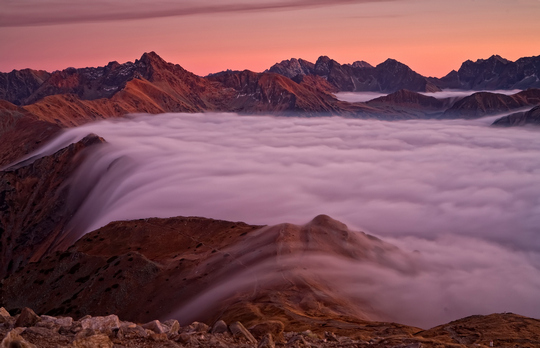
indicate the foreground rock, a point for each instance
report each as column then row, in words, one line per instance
column 500, row 330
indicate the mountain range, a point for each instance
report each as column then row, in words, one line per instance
column 36, row 104
column 198, row 265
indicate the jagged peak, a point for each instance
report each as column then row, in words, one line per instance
column 151, row 57
column 494, row 57
column 361, row 64
column 392, row 62
column 324, row 60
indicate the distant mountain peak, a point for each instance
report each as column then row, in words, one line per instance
column 361, row 64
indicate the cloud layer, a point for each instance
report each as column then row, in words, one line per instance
column 354, row 97
column 33, row 12
column 464, row 194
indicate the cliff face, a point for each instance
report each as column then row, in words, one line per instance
column 33, row 205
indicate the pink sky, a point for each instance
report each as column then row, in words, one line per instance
column 431, row 36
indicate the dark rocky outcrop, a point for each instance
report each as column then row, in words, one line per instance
column 19, row 85
column 33, row 205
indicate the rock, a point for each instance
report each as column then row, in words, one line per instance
column 330, row 337
column 61, row 321
column 188, row 340
column 128, row 332
column 273, row 327
column 155, row 326
column 102, row 324
column 298, row 338
column 158, row 337
column 239, row 330
column 40, row 331
column 127, row 324
column 27, row 318
column 4, row 315
column 267, row 342
column 171, row 327
column 219, row 327
column 14, row 340
column 201, row 327
column 95, row 341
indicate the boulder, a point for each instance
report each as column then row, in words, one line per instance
column 171, row 326
column 4, row 315
column 61, row 321
column 129, row 332
column 14, row 339
column 102, row 324
column 155, row 326
column 219, row 327
column 27, row 318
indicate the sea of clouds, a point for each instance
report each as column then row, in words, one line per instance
column 454, row 94
column 463, row 194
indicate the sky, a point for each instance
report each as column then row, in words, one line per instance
column 461, row 193
column 431, row 36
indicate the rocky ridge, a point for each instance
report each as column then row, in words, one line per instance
column 484, row 103
column 388, row 76
column 27, row 329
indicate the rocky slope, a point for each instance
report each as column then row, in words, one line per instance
column 19, row 85
column 494, row 73
column 485, row 103
column 33, row 205
column 269, row 92
column 531, row 117
column 21, row 132
column 408, row 104
column 205, row 270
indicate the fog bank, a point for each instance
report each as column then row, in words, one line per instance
column 355, row 97
column 465, row 195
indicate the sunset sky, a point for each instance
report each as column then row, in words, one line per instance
column 431, row 36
